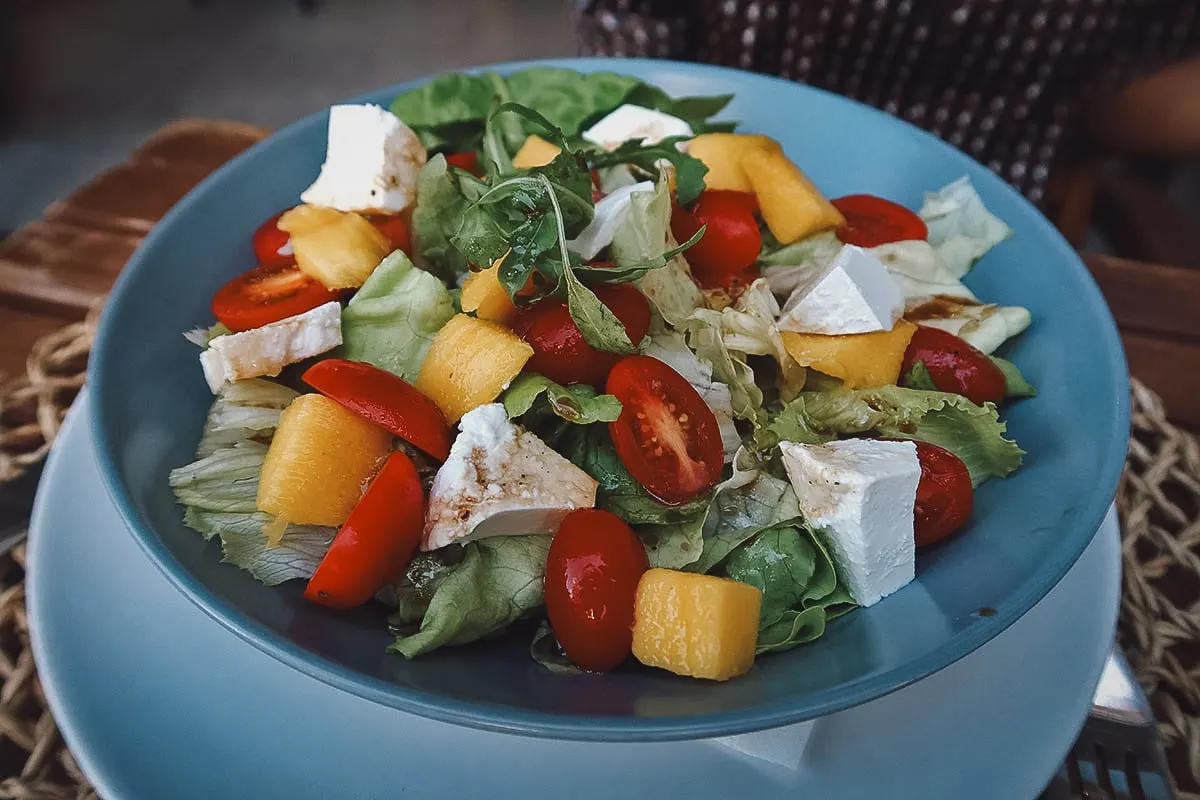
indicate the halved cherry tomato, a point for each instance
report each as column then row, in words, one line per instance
column 592, row 572
column 468, row 160
column 944, row 495
column 954, row 365
column 385, row 399
column 559, row 350
column 666, row 436
column 269, row 240
column 376, row 541
column 731, row 241
column 872, row 221
column 395, row 228
column 268, row 293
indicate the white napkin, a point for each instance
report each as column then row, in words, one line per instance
column 783, row 747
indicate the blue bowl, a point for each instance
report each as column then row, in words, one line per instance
column 150, row 400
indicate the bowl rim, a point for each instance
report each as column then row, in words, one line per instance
column 594, row 727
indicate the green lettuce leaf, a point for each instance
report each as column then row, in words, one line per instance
column 441, row 201
column 446, row 100
column 647, row 233
column 413, row 591
column 390, row 322
column 568, row 98
column 497, row 582
column 219, row 491
column 739, row 511
column 545, row 650
column 1015, row 384
column 961, row 229
column 577, row 403
column 918, row 378
column 705, row 337
column 973, row 433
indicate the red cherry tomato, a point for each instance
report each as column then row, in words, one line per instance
column 955, row 365
column 467, row 160
column 395, row 228
column 872, row 221
column 592, row 573
column 559, row 350
column 385, row 399
column 268, row 240
column 268, row 293
column 666, row 436
column 376, row 541
column 944, row 495
column 731, row 242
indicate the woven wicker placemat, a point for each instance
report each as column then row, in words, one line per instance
column 1158, row 501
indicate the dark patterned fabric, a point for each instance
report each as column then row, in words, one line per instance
column 1003, row 80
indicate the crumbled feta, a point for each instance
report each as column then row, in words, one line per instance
column 859, row 495
column 500, row 480
column 371, row 162
column 634, row 122
column 267, row 350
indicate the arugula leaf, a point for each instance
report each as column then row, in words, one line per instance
column 442, row 197
column 577, row 403
column 1015, row 384
column 695, row 111
column 973, row 433
column 498, row 581
column 596, row 321
column 689, row 170
column 390, row 322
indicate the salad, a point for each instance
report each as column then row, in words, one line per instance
column 558, row 355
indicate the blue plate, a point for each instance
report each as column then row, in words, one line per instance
column 150, row 401
column 138, row 669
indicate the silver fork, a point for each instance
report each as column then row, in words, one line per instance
column 1118, row 755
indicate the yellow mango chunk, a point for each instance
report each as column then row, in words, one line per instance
column 483, row 294
column 861, row 360
column 340, row 249
column 697, row 625
column 469, row 363
column 536, row 152
column 722, row 154
column 791, row 205
column 319, row 462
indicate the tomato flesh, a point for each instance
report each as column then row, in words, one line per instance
column 268, row 240
column 377, row 540
column 395, row 228
column 592, row 572
column 467, row 160
column 872, row 221
column 266, row 294
column 559, row 350
column 955, row 365
column 666, row 436
column 944, row 495
column 731, row 241
column 385, row 399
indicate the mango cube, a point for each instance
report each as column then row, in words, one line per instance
column 319, row 462
column 722, row 154
column 536, row 152
column 339, row 249
column 861, row 360
column 469, row 363
column 483, row 294
column 791, row 205
column 696, row 625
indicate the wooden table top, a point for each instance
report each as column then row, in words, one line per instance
column 53, row 270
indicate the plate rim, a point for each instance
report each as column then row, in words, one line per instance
column 592, row 727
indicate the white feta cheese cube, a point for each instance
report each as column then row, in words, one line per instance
column 371, row 162
column 634, row 122
column 859, row 495
column 610, row 214
column 854, row 294
column 500, row 480
column 267, row 350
